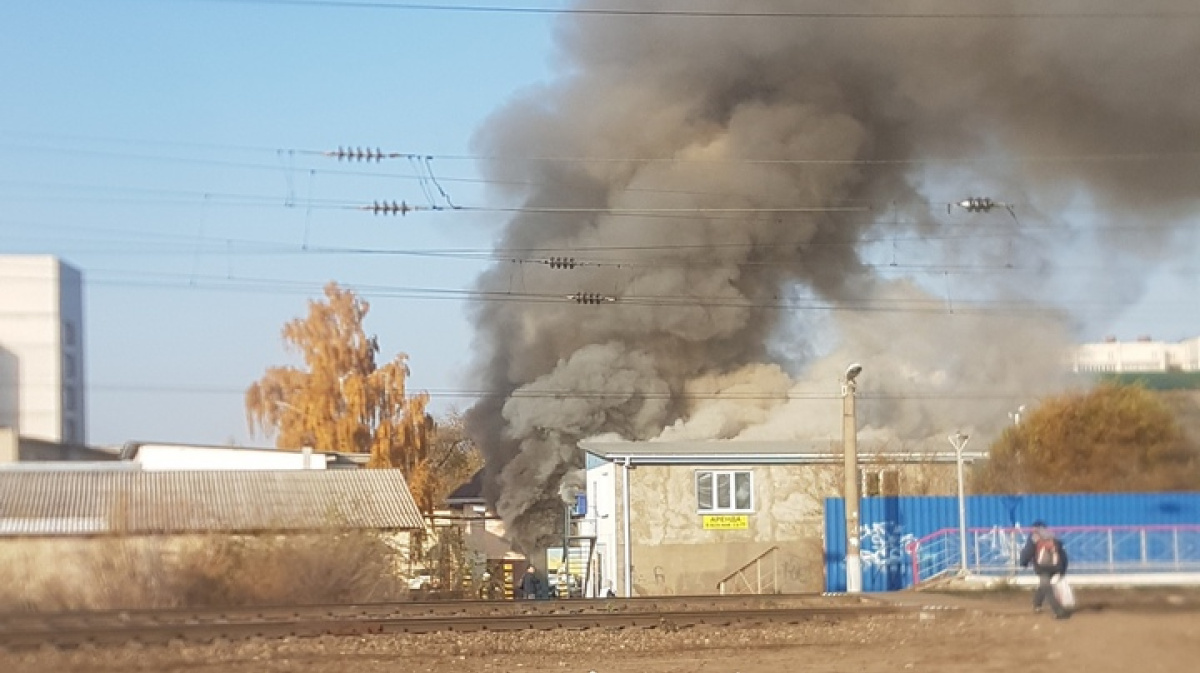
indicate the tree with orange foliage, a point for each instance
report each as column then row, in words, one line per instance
column 341, row 400
column 1108, row 439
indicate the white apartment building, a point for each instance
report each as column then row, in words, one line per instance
column 1143, row 355
column 41, row 348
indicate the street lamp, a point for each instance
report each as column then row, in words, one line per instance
column 959, row 441
column 1016, row 415
column 850, row 446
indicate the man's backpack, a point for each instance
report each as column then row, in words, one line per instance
column 1045, row 554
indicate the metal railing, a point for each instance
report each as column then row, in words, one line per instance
column 759, row 576
column 1090, row 549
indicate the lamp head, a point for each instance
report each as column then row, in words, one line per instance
column 852, row 372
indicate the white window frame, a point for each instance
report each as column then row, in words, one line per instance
column 731, row 477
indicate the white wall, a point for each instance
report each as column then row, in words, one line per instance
column 171, row 457
column 604, row 515
column 1137, row 356
column 41, row 335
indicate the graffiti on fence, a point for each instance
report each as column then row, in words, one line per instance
column 884, row 544
column 998, row 546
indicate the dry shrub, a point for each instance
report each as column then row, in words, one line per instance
column 353, row 568
column 213, row 571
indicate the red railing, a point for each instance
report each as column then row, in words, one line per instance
column 1103, row 549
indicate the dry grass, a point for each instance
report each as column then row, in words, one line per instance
column 131, row 573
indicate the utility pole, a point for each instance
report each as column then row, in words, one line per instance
column 850, row 495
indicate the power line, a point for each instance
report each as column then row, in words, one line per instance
column 862, row 268
column 930, row 305
column 569, row 393
column 570, row 257
column 713, row 14
column 1113, row 157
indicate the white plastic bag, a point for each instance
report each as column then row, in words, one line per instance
column 1064, row 593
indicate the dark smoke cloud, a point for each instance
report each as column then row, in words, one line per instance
column 903, row 116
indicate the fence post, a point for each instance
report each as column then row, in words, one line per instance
column 1112, row 558
column 916, row 563
column 1145, row 550
column 977, row 563
column 1175, row 545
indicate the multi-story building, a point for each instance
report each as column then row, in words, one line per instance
column 41, row 348
column 1143, row 355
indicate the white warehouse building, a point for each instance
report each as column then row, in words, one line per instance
column 1143, row 355
column 41, row 349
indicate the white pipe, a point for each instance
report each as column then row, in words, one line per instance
column 626, row 533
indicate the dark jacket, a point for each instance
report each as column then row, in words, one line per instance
column 530, row 584
column 1029, row 553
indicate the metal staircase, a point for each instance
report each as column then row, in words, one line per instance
column 759, row 576
column 580, row 550
column 574, row 576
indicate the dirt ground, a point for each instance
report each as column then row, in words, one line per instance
column 1140, row 635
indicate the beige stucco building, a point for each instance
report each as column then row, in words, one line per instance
column 712, row 517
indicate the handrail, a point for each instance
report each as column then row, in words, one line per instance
column 913, row 548
column 745, row 567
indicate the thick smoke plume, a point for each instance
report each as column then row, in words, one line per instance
column 765, row 200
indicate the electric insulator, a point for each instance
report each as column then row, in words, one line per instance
column 977, row 204
column 389, row 208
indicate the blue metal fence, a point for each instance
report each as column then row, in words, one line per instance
column 889, row 526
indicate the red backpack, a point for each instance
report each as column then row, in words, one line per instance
column 1045, row 554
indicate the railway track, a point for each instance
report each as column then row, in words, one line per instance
column 74, row 629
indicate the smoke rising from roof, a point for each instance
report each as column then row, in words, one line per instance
column 746, row 187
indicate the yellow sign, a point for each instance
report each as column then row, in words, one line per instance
column 726, row 522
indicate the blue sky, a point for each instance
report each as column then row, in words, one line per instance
column 168, row 149
column 151, row 142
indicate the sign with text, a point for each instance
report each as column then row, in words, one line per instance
column 726, row 522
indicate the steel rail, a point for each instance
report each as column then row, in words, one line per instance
column 55, row 621
column 165, row 634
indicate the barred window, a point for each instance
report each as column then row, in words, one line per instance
column 882, row 482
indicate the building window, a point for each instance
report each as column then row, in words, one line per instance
column 68, row 398
column 883, row 482
column 69, row 431
column 69, row 335
column 724, row 491
column 69, row 367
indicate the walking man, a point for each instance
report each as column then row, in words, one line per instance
column 1049, row 559
column 530, row 584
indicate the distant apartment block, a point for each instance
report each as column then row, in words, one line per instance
column 1143, row 355
column 41, row 348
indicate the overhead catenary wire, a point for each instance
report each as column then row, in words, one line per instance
column 74, row 145
column 429, row 182
column 931, row 305
column 559, row 257
column 625, row 12
column 967, row 231
column 578, row 393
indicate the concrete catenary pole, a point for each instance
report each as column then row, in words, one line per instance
column 850, row 447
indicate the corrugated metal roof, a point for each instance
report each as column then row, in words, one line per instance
column 149, row 503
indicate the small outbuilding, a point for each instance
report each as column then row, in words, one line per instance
column 695, row 518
